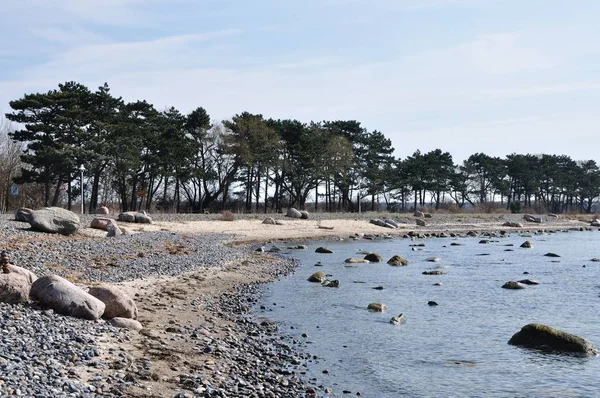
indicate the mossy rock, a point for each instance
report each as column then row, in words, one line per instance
column 513, row 285
column 535, row 335
column 397, row 260
column 318, row 276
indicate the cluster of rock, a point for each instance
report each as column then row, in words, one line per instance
column 57, row 220
column 19, row 285
column 294, row 213
column 135, row 217
column 387, row 223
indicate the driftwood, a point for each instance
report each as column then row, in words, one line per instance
column 320, row 227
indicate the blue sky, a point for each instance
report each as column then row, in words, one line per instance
column 465, row 76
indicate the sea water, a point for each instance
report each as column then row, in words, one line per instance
column 459, row 347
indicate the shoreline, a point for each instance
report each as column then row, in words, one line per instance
column 301, row 230
column 200, row 334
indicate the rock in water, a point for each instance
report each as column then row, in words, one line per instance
column 354, row 260
column 513, row 285
column 317, row 277
column 332, row 283
column 376, row 307
column 54, row 220
column 373, row 257
column 323, row 250
column 398, row 320
column 535, row 335
column 397, row 261
column 551, row 255
column 527, row 244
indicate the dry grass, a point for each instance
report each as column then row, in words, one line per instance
column 226, row 215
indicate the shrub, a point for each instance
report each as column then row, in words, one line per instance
column 516, row 207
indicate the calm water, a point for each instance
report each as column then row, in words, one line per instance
column 458, row 348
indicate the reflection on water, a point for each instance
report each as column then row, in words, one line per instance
column 458, row 348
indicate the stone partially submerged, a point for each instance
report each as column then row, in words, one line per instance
column 397, row 261
column 318, row 276
column 538, row 336
column 65, row 298
column 54, row 220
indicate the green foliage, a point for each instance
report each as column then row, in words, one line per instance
column 516, row 207
column 140, row 154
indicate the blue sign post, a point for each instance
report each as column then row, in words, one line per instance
column 14, row 190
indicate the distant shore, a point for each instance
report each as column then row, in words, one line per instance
column 248, row 228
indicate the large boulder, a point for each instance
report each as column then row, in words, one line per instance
column 65, row 298
column 304, row 214
column 128, row 216
column 28, row 275
column 420, row 223
column 293, row 213
column 14, row 288
column 118, row 304
column 323, row 250
column 527, row 244
column 23, row 214
column 535, row 335
column 102, row 223
column 54, row 220
column 397, row 260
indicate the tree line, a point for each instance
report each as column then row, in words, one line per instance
column 141, row 158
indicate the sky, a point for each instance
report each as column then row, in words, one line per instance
column 464, row 76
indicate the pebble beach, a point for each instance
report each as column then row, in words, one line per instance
column 195, row 291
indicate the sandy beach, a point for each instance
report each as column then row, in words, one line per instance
column 166, row 305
